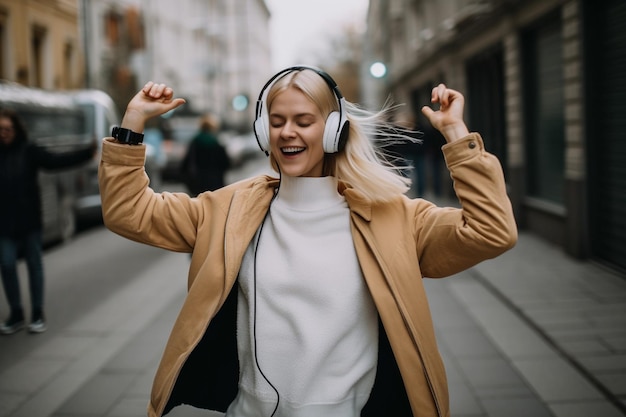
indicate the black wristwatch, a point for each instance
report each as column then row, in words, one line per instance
column 127, row 136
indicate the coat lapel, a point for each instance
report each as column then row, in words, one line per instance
column 247, row 211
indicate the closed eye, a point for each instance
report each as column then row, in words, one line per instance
column 301, row 120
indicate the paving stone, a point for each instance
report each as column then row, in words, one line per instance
column 490, row 372
column 9, row 401
column 516, row 407
column 97, row 396
column 463, row 400
column 615, row 382
column 555, row 380
column 468, row 343
column 617, row 342
column 585, row 409
column 585, row 347
column 605, row 362
column 504, row 391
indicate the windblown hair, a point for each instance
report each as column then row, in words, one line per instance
column 365, row 163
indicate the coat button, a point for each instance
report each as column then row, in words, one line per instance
column 472, row 145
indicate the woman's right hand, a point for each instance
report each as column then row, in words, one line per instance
column 152, row 100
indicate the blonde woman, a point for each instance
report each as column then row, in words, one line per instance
column 305, row 290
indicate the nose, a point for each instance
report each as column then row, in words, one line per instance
column 288, row 131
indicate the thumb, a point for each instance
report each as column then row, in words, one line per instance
column 428, row 112
column 177, row 102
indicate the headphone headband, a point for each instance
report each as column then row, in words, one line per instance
column 337, row 124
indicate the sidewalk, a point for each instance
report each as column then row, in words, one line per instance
column 531, row 333
column 547, row 328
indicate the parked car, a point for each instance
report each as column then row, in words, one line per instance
column 241, row 148
column 100, row 116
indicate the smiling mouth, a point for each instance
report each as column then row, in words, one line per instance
column 292, row 150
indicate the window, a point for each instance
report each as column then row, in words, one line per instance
column 544, row 112
column 38, row 38
column 3, row 44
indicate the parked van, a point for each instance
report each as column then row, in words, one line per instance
column 54, row 120
column 101, row 115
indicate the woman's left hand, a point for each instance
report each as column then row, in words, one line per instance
column 449, row 118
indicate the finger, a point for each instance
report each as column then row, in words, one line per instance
column 434, row 95
column 146, row 88
column 444, row 94
column 157, row 90
column 427, row 111
column 161, row 89
column 168, row 93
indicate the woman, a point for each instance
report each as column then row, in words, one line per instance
column 20, row 216
column 305, row 291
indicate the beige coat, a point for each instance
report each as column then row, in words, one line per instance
column 396, row 243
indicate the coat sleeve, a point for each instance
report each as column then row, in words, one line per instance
column 63, row 160
column 450, row 240
column 132, row 209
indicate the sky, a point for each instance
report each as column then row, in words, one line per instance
column 300, row 28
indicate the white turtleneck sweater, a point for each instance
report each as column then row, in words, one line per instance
column 315, row 324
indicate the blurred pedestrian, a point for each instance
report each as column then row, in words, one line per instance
column 206, row 161
column 20, row 216
column 305, row 290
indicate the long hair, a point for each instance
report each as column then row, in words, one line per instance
column 364, row 164
column 20, row 131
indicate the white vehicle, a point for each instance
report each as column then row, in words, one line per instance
column 55, row 121
column 100, row 116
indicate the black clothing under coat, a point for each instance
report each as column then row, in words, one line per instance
column 20, row 162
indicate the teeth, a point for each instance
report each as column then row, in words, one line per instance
column 292, row 149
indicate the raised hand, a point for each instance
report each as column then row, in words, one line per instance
column 449, row 118
column 152, row 100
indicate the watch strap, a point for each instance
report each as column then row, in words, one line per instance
column 127, row 136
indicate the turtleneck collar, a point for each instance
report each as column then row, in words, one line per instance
column 308, row 193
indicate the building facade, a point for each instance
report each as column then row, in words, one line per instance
column 212, row 52
column 209, row 51
column 545, row 86
column 40, row 44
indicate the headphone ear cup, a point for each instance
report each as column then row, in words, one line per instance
column 343, row 136
column 331, row 134
column 261, row 131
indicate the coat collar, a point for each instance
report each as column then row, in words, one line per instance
column 357, row 201
column 252, row 204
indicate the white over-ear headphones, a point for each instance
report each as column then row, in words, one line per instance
column 337, row 124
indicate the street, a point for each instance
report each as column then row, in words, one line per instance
column 111, row 304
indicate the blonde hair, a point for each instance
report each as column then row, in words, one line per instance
column 364, row 164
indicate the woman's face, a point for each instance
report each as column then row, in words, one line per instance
column 296, row 130
column 7, row 132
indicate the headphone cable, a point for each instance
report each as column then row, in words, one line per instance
column 256, row 248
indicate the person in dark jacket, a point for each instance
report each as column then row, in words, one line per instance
column 20, row 216
column 206, row 160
